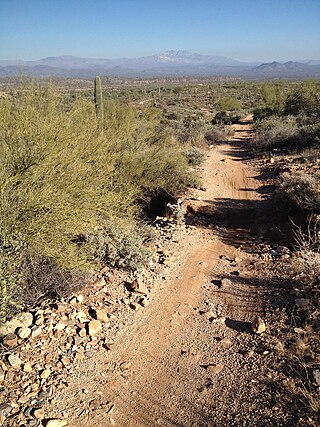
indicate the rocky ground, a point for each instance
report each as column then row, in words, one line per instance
column 193, row 340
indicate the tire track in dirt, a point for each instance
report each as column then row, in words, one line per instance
column 169, row 346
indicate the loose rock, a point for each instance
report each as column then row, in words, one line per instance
column 14, row 361
column 258, row 325
column 94, row 327
column 10, row 340
column 225, row 283
column 23, row 320
column 24, row 333
column 101, row 315
column 5, row 409
column 139, row 287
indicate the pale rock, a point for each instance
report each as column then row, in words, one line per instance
column 39, row 414
column 139, row 286
column 45, row 374
column 101, row 315
column 81, row 316
column 210, row 314
column 248, row 353
column 2, row 375
column 14, row 360
column 316, row 376
column 258, row 325
column 100, row 282
column 214, row 369
column 24, row 333
column 22, row 320
column 94, row 327
column 82, row 332
column 27, row 367
column 56, row 423
column 144, row 302
column 36, row 331
column 225, row 283
column 10, row 340
column 80, row 298
column 60, row 326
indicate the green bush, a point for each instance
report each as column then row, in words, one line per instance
column 61, row 178
column 228, row 104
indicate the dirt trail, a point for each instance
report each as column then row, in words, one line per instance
column 181, row 367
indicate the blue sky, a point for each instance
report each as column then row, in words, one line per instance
column 262, row 30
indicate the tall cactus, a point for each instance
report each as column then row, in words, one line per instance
column 98, row 100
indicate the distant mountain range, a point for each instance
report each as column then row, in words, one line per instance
column 170, row 63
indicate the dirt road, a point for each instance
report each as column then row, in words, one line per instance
column 189, row 358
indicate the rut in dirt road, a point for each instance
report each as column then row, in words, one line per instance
column 187, row 359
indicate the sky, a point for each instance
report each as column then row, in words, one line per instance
column 247, row 30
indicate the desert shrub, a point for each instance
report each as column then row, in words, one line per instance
column 305, row 100
column 225, row 118
column 275, row 131
column 228, row 104
column 262, row 113
column 303, row 190
column 62, row 178
column 195, row 156
column 118, row 247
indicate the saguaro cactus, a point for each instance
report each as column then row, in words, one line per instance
column 98, row 100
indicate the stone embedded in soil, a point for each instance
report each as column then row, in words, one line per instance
column 14, row 360
column 214, row 369
column 225, row 283
column 27, row 367
column 10, row 340
column 38, row 414
column 94, row 327
column 24, row 333
column 56, row 423
column 144, row 302
column 45, row 374
column 258, row 325
column 210, row 314
column 60, row 326
column 139, row 287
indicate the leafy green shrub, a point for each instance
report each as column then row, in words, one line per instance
column 303, row 190
column 195, row 156
column 62, row 178
column 228, row 104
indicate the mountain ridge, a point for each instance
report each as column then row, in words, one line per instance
column 169, row 63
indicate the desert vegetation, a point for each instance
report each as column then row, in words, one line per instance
column 80, row 165
column 73, row 186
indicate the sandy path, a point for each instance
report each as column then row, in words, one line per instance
column 165, row 380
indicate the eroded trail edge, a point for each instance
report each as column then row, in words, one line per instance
column 189, row 358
